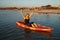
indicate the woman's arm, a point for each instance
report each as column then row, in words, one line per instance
column 31, row 13
column 22, row 13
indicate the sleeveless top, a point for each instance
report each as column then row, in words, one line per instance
column 26, row 21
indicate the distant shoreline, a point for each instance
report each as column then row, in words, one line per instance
column 8, row 8
column 36, row 9
column 28, row 9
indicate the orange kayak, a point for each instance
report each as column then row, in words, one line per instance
column 38, row 29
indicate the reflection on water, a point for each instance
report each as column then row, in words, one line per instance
column 29, row 36
column 48, row 34
column 9, row 30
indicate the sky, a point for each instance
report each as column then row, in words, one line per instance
column 28, row 3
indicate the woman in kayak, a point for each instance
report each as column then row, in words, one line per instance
column 26, row 20
column 27, row 17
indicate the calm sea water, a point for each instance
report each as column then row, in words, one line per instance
column 9, row 30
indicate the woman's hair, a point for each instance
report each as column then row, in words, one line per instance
column 27, row 14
